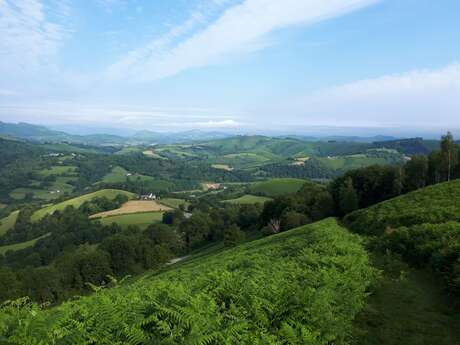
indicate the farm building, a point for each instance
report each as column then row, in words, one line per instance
column 150, row 196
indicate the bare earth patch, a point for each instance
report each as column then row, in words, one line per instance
column 152, row 154
column 134, row 206
column 222, row 167
column 300, row 161
column 211, row 186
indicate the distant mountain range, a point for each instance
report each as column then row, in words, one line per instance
column 38, row 133
column 31, row 132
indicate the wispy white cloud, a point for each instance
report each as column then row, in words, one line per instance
column 29, row 38
column 242, row 28
column 419, row 98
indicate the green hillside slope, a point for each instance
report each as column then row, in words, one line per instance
column 303, row 286
column 248, row 199
column 434, row 204
column 276, row 187
column 76, row 202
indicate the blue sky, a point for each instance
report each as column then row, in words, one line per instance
column 293, row 65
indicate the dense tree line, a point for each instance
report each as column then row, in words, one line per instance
column 79, row 252
column 374, row 184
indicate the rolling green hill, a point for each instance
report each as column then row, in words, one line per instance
column 434, row 204
column 276, row 187
column 76, row 202
column 309, row 294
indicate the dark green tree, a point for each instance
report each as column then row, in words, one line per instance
column 348, row 197
column 416, row 173
column 449, row 154
column 233, row 235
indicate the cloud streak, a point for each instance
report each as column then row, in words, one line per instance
column 29, row 38
column 122, row 116
column 419, row 98
column 241, row 29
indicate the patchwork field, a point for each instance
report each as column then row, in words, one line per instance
column 277, row 187
column 78, row 201
column 141, row 220
column 248, row 199
column 8, row 222
column 120, row 175
column 36, row 193
column 133, row 206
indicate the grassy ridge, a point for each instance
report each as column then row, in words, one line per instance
column 276, row 187
column 433, row 204
column 303, row 286
column 78, row 201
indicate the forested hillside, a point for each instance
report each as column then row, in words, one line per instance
column 302, row 286
column 144, row 210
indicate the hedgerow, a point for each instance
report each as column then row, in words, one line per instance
column 303, row 286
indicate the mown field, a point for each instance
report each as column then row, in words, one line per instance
column 133, row 206
column 309, row 295
column 78, row 201
column 276, row 187
column 248, row 199
column 142, row 220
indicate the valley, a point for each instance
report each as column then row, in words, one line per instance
column 247, row 235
